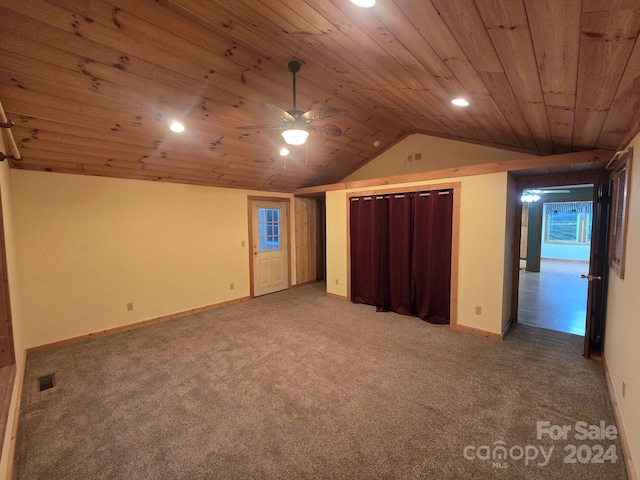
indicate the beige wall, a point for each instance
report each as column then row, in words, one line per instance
column 482, row 248
column 337, row 238
column 437, row 154
column 86, row 246
column 622, row 336
column 17, row 317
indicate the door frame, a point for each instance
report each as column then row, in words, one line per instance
column 594, row 177
column 5, row 302
column 287, row 204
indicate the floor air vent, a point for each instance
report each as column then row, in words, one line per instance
column 46, row 382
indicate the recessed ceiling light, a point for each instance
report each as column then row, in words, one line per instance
column 460, row 102
column 284, row 151
column 176, row 127
column 364, row 3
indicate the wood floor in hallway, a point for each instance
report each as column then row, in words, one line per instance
column 554, row 298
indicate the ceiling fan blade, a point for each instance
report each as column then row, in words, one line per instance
column 282, row 113
column 261, row 127
column 329, row 130
column 323, row 112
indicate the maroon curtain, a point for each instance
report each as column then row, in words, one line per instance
column 370, row 259
column 401, row 253
column 431, row 257
column 400, row 247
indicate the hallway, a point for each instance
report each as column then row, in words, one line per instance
column 556, row 297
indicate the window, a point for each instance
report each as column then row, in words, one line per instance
column 568, row 222
column 269, row 220
column 620, row 179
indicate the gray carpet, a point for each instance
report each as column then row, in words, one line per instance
column 297, row 385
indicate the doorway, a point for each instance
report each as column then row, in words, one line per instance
column 596, row 278
column 269, row 229
column 554, row 257
column 310, row 241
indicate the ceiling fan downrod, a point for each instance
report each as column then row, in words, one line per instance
column 294, row 67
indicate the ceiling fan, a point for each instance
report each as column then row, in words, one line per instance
column 533, row 195
column 535, row 191
column 298, row 124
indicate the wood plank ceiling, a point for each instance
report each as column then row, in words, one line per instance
column 92, row 84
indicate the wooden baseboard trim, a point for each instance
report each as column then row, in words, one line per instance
column 305, row 283
column 132, row 326
column 16, row 417
column 631, row 471
column 335, row 295
column 477, row 331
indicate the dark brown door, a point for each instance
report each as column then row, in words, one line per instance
column 598, row 271
column 7, row 355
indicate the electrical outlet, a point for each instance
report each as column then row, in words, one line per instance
column 478, row 310
column 232, row 286
column 336, row 281
column 624, row 389
column 242, row 243
column 130, row 306
column 417, row 156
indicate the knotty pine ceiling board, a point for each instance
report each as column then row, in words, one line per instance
column 92, row 85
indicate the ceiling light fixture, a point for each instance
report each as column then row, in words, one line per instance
column 176, row 127
column 364, row 3
column 460, row 102
column 284, row 151
column 295, row 136
column 528, row 198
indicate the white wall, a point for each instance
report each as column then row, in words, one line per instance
column 483, row 224
column 565, row 252
column 622, row 335
column 437, row 154
column 86, row 246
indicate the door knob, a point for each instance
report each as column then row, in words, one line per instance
column 591, row 277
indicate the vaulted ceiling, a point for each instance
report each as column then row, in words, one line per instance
column 93, row 84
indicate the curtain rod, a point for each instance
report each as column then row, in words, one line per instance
column 400, row 195
column 6, row 125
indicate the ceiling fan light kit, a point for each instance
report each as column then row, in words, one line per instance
column 529, row 198
column 295, row 136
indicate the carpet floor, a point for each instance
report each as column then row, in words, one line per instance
column 298, row 385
